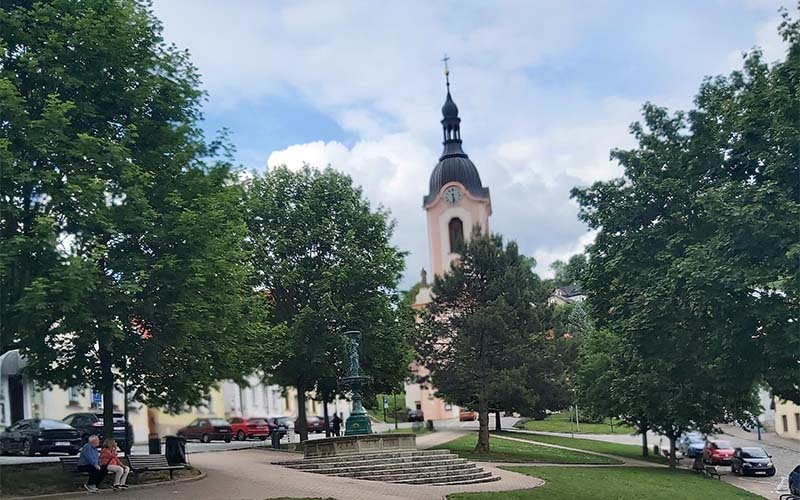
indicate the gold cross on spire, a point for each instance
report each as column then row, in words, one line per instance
column 446, row 71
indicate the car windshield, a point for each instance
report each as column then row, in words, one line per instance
column 217, row 421
column 754, row 453
column 282, row 420
column 53, row 424
column 257, row 421
column 723, row 445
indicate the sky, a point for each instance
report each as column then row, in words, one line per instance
column 545, row 91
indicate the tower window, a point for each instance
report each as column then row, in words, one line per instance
column 456, row 229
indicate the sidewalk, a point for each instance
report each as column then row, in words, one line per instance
column 769, row 438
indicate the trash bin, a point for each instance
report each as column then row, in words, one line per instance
column 429, row 425
column 175, row 450
column 154, row 444
column 275, row 436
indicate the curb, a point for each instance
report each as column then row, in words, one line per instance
column 56, row 496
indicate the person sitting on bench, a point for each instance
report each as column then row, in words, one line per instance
column 89, row 462
column 109, row 458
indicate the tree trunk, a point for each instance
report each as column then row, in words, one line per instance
column 325, row 415
column 107, row 381
column 302, row 421
column 482, row 448
column 497, row 425
column 643, row 428
column 672, row 449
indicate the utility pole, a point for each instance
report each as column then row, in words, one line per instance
column 395, row 411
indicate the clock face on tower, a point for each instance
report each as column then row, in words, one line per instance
column 452, row 195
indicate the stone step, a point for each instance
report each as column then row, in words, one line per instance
column 448, row 478
column 388, row 466
column 366, row 456
column 428, row 473
column 468, row 481
column 347, row 462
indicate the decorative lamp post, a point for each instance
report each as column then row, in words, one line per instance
column 358, row 421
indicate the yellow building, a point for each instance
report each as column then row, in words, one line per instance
column 787, row 419
column 166, row 424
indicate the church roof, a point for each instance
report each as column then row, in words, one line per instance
column 454, row 164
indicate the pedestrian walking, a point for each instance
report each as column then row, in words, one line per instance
column 89, row 462
column 337, row 425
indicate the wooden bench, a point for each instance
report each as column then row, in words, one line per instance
column 70, row 467
column 711, row 471
column 151, row 463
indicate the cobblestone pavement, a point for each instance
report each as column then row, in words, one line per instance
column 249, row 474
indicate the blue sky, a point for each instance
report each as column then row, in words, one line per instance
column 545, row 90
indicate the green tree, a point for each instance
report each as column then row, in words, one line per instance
column 481, row 336
column 326, row 261
column 122, row 251
column 696, row 260
column 569, row 273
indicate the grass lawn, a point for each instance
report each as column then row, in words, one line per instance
column 615, row 483
column 43, row 478
column 559, row 422
column 621, row 450
column 503, row 450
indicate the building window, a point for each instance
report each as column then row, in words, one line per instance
column 797, row 420
column 456, row 230
column 74, row 396
column 785, row 423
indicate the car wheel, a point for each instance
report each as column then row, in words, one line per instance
column 206, row 438
column 263, row 438
column 228, row 439
column 27, row 448
column 240, row 436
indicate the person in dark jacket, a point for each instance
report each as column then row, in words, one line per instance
column 337, row 424
column 89, row 462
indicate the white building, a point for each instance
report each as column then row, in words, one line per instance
column 21, row 398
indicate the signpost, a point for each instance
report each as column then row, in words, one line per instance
column 385, row 405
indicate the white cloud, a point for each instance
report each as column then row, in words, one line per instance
column 540, row 112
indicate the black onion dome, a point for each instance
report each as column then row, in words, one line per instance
column 449, row 109
column 454, row 164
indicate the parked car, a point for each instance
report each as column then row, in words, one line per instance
column 416, row 416
column 794, row 481
column 691, row 444
column 752, row 461
column 718, row 452
column 280, row 424
column 43, row 436
column 91, row 424
column 314, row 424
column 466, row 415
column 207, row 430
column 245, row 428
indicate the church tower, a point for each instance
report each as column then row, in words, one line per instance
column 456, row 202
column 456, row 199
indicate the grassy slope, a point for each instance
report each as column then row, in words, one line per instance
column 559, row 422
column 503, row 450
column 615, row 483
column 621, row 450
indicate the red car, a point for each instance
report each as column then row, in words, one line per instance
column 244, row 428
column 718, row 452
column 207, row 429
column 314, row 424
column 466, row 415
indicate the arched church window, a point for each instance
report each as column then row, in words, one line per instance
column 456, row 230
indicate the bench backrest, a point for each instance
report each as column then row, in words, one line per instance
column 145, row 461
column 711, row 469
column 69, row 464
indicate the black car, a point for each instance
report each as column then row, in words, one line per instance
column 279, row 424
column 33, row 435
column 91, row 423
column 416, row 416
column 752, row 461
